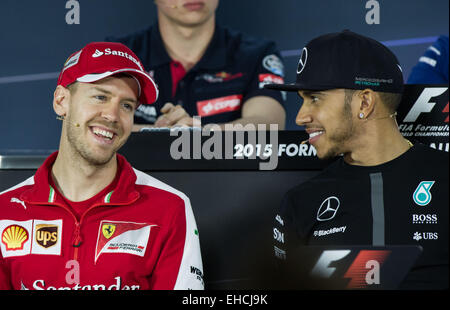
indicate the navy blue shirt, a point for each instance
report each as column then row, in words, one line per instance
column 387, row 204
column 233, row 69
column 432, row 67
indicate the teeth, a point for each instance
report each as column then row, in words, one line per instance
column 103, row 133
column 314, row 134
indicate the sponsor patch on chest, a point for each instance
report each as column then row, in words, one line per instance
column 19, row 238
column 219, row 105
column 122, row 237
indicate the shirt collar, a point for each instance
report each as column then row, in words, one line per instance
column 123, row 193
column 214, row 57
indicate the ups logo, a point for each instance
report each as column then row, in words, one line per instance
column 46, row 235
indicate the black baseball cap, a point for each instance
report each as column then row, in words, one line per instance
column 346, row 60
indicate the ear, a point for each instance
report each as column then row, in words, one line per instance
column 61, row 98
column 367, row 103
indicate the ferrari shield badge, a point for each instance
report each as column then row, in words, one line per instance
column 108, row 230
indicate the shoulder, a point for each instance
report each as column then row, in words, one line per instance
column 163, row 191
column 17, row 189
column 247, row 44
column 135, row 39
column 442, row 45
column 308, row 190
column 12, row 197
column 429, row 155
column 429, row 160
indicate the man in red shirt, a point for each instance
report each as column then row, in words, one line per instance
column 88, row 220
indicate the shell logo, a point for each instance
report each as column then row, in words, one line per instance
column 14, row 237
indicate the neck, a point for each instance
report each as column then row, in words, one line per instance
column 78, row 180
column 381, row 142
column 186, row 44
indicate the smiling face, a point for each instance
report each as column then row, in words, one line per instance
column 327, row 116
column 99, row 118
column 187, row 13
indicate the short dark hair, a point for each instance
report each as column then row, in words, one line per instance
column 390, row 100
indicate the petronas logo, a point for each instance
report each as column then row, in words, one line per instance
column 422, row 194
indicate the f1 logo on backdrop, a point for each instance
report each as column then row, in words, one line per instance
column 424, row 104
column 363, row 272
column 423, row 115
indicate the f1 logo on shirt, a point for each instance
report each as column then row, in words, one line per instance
column 328, row 209
column 422, row 194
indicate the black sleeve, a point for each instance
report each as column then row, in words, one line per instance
column 269, row 69
column 286, row 239
column 285, row 232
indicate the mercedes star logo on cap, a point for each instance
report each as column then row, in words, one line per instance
column 302, row 60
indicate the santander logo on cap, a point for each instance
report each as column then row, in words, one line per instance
column 108, row 52
column 97, row 53
column 98, row 60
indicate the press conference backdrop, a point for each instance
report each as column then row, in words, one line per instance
column 235, row 199
column 36, row 40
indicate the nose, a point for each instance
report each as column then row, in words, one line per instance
column 303, row 116
column 111, row 111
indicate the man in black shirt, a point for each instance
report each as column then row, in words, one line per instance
column 203, row 69
column 382, row 190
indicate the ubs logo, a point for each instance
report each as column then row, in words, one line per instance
column 328, row 209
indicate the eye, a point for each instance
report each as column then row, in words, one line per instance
column 100, row 97
column 314, row 99
column 128, row 107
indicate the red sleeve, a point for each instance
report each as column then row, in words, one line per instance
column 5, row 283
column 179, row 264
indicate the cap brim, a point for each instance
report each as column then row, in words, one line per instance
column 148, row 89
column 286, row 87
column 295, row 87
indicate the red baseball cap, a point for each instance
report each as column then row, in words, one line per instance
column 98, row 60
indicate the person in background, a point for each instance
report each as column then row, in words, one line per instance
column 203, row 69
column 432, row 67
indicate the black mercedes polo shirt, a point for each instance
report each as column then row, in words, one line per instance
column 233, row 69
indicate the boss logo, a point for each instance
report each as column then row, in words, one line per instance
column 424, row 218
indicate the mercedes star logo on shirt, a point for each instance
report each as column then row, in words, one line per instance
column 328, row 209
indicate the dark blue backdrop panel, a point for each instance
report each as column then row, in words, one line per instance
column 36, row 40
